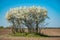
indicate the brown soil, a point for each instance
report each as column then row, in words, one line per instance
column 51, row 32
column 5, row 31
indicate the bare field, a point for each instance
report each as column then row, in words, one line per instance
column 50, row 32
column 5, row 31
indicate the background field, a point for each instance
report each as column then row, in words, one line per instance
column 51, row 32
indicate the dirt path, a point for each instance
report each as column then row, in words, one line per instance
column 28, row 38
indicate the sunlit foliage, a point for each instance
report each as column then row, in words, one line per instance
column 26, row 16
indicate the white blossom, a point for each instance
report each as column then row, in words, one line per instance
column 22, row 12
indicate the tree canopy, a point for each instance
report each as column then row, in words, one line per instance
column 26, row 16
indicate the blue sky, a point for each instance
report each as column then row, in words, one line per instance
column 52, row 6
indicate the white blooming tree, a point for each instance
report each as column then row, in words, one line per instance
column 27, row 16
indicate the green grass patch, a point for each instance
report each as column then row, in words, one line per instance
column 26, row 35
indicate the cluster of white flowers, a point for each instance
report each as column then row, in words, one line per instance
column 22, row 12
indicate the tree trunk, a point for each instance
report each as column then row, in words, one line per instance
column 36, row 26
column 29, row 30
column 13, row 28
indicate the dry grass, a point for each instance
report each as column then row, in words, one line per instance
column 28, row 38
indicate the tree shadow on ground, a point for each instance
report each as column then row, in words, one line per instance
column 44, row 35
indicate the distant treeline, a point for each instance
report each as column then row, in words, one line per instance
column 41, row 27
column 51, row 27
column 1, row 27
column 4, row 27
